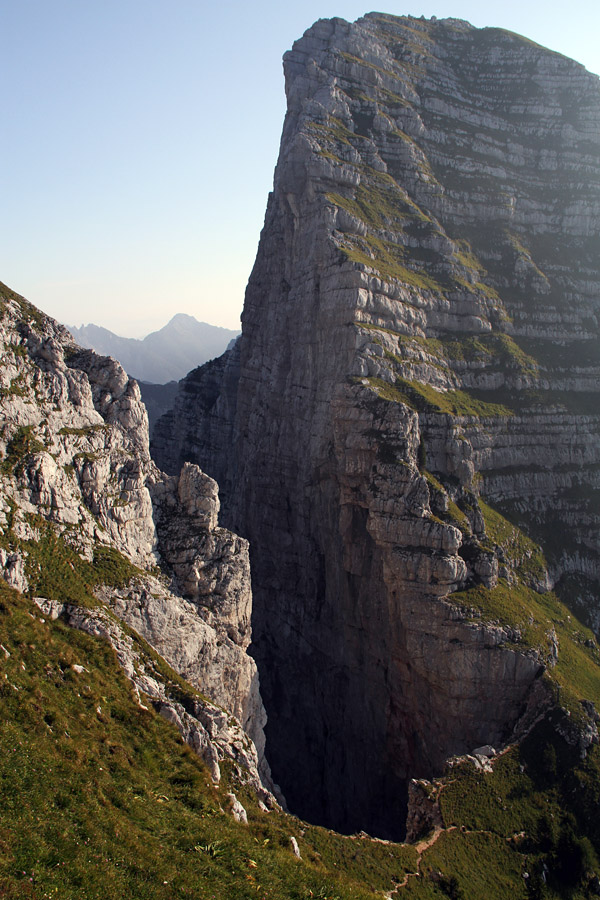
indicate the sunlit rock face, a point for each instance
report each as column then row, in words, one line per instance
column 420, row 328
column 76, row 473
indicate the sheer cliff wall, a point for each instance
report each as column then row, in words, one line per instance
column 420, row 330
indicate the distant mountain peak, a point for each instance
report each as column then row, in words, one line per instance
column 185, row 317
column 163, row 355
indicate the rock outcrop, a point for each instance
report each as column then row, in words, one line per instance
column 420, row 329
column 85, row 515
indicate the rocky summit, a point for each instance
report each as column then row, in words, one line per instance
column 407, row 432
column 335, row 633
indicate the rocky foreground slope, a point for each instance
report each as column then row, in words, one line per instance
column 420, row 332
column 98, row 536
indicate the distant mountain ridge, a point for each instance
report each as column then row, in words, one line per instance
column 164, row 355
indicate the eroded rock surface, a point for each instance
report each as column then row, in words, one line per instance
column 420, row 328
column 76, row 477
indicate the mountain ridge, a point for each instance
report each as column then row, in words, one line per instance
column 164, row 355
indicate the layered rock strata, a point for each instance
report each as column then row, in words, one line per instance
column 420, row 327
column 77, row 483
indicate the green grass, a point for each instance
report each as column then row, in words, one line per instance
column 517, row 602
column 381, row 203
column 15, row 389
column 535, row 615
column 109, row 803
column 524, row 556
column 476, row 865
column 496, row 349
column 22, row 445
column 331, row 133
column 493, row 350
column 454, row 514
column 499, row 402
column 100, row 799
column 387, row 258
column 82, row 432
column 363, row 62
column 540, row 799
column 425, row 398
column 55, row 570
column 512, row 605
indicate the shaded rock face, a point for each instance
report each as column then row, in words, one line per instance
column 420, row 325
column 158, row 399
column 75, row 464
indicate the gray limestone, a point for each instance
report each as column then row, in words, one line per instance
column 74, row 451
column 434, row 220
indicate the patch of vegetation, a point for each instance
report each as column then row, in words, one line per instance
column 477, row 864
column 387, row 259
column 454, row 515
column 22, row 445
column 363, row 62
column 85, row 456
column 494, row 349
column 83, row 432
column 101, row 800
column 541, row 803
column 333, row 131
column 523, row 555
column 425, row 398
column 381, row 203
column 515, row 242
column 112, row 568
column 515, row 606
column 15, row 389
column 536, row 616
column 499, row 349
column 55, row 570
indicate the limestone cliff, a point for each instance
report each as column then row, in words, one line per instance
column 86, row 517
column 420, row 330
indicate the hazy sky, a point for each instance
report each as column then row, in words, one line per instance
column 141, row 135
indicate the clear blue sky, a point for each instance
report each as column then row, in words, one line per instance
column 141, row 136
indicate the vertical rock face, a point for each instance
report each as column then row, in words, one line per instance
column 421, row 325
column 78, row 488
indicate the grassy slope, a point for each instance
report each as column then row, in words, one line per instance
column 532, row 828
column 536, row 815
column 101, row 799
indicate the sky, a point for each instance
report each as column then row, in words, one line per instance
column 141, row 138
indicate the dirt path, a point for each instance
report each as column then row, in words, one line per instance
column 420, row 847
